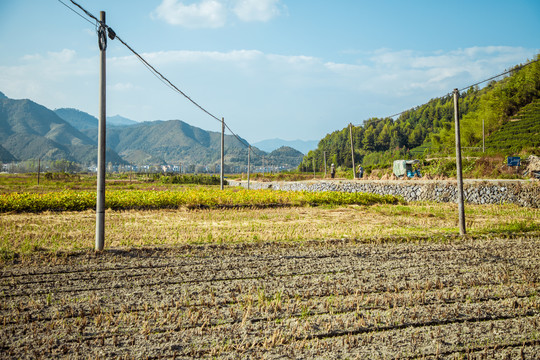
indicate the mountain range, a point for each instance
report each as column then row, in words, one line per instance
column 29, row 131
column 83, row 121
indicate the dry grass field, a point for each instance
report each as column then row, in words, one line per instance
column 57, row 232
column 382, row 281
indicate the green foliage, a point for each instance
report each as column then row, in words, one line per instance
column 498, row 104
column 192, row 198
column 520, row 133
column 440, row 167
column 57, row 201
column 429, row 128
column 191, row 179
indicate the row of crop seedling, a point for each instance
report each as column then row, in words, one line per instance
column 163, row 317
column 267, row 306
column 190, row 197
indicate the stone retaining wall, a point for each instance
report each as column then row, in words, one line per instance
column 521, row 192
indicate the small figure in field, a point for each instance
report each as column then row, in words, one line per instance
column 332, row 171
column 359, row 172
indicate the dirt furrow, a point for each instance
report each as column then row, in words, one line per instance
column 331, row 299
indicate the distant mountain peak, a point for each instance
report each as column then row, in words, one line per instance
column 83, row 121
column 118, row 120
column 304, row 146
column 77, row 118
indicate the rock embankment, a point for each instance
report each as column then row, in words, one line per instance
column 524, row 193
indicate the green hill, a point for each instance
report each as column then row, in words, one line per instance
column 172, row 142
column 520, row 132
column 5, row 156
column 78, row 119
column 286, row 156
column 429, row 128
column 30, row 131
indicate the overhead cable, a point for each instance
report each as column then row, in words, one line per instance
column 242, row 141
column 153, row 70
column 165, row 79
column 76, row 12
column 86, row 12
column 501, row 74
column 476, row 84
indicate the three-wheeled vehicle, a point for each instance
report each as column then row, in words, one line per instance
column 406, row 167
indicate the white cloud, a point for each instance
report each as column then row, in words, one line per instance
column 53, row 79
column 205, row 14
column 122, row 86
column 257, row 10
column 64, row 56
column 214, row 13
column 272, row 91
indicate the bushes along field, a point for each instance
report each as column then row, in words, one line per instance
column 192, row 198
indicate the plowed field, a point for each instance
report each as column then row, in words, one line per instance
column 320, row 299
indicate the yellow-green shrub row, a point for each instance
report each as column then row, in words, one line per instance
column 199, row 197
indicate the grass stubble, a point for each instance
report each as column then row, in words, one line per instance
column 378, row 281
column 26, row 233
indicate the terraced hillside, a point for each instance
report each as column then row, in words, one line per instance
column 523, row 131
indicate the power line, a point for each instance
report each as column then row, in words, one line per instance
column 75, row 11
column 475, row 84
column 153, row 70
column 86, row 12
column 242, row 141
column 501, row 74
column 165, row 79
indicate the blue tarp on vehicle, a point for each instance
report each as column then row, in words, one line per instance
column 405, row 167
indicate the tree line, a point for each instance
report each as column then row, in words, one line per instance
column 430, row 127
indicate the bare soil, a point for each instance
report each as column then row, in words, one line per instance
column 319, row 299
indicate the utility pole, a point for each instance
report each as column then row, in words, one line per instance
column 461, row 209
column 38, row 169
column 100, row 203
column 249, row 163
column 324, row 164
column 313, row 166
column 483, row 137
column 222, row 173
column 352, row 152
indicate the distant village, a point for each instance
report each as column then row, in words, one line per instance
column 71, row 167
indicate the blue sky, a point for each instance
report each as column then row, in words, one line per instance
column 273, row 68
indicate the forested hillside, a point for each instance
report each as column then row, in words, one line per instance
column 31, row 131
column 429, row 128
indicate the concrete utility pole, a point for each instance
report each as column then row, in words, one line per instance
column 221, row 171
column 313, row 166
column 352, row 152
column 461, row 208
column 249, row 163
column 483, row 137
column 38, row 170
column 324, row 164
column 100, row 203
